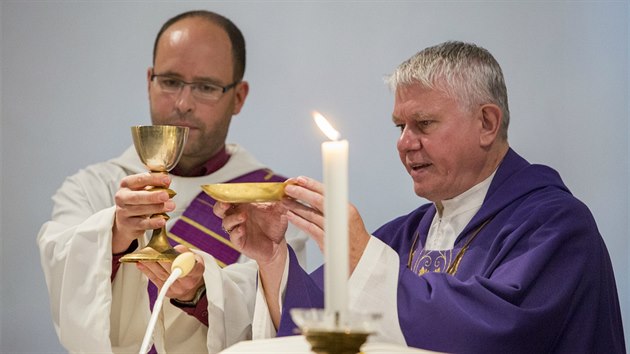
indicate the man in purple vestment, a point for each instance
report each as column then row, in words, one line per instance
column 503, row 260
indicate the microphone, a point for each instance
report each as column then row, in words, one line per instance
column 184, row 262
column 182, row 265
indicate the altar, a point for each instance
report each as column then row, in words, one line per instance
column 298, row 345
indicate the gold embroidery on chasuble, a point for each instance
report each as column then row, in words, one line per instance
column 440, row 261
column 433, row 261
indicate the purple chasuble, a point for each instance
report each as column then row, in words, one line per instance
column 537, row 278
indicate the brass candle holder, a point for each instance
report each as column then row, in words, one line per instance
column 159, row 148
column 327, row 334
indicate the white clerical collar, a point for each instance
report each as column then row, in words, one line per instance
column 456, row 214
column 472, row 198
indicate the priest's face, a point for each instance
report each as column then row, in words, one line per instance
column 195, row 50
column 439, row 144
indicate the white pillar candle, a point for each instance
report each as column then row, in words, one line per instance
column 336, row 262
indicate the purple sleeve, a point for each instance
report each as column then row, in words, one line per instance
column 303, row 291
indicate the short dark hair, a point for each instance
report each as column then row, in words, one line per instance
column 234, row 33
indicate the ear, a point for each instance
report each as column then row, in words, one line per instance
column 149, row 73
column 240, row 94
column 491, row 117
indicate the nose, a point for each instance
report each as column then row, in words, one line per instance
column 185, row 101
column 408, row 141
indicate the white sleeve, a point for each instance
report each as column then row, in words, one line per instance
column 76, row 258
column 231, row 293
column 373, row 288
column 262, row 324
column 77, row 266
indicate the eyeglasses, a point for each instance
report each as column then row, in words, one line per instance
column 202, row 90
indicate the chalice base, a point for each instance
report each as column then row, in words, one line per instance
column 158, row 250
column 148, row 254
column 335, row 342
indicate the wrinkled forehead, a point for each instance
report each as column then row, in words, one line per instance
column 419, row 100
column 410, row 90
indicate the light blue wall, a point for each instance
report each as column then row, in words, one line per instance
column 73, row 81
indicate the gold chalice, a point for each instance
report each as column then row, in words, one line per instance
column 159, row 148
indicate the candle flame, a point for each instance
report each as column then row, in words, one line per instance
column 325, row 126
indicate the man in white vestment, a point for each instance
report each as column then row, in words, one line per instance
column 103, row 212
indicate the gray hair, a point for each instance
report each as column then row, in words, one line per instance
column 464, row 71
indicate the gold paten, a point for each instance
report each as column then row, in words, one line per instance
column 160, row 148
column 246, row 192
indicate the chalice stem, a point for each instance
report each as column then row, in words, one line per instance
column 159, row 241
